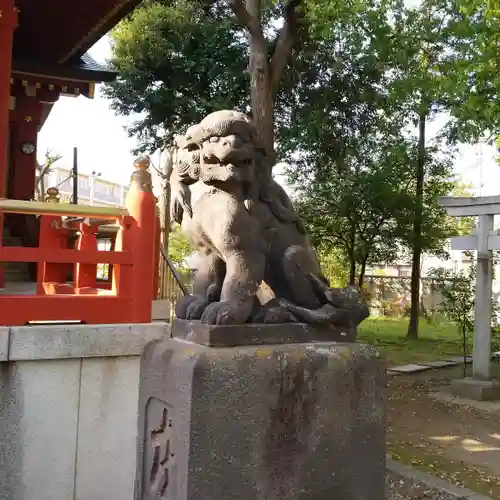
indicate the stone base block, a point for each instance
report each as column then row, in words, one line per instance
column 291, row 421
column 161, row 310
column 259, row 334
column 478, row 390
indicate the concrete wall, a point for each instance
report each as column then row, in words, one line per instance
column 68, row 410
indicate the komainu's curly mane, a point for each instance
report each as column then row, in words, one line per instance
column 189, row 166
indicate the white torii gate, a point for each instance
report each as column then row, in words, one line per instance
column 483, row 241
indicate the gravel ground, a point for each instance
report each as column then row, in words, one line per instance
column 399, row 488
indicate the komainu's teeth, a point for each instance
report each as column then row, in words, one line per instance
column 247, row 204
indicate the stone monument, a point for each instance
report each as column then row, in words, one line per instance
column 262, row 393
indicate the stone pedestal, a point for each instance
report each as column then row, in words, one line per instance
column 282, row 421
column 68, row 410
column 476, row 389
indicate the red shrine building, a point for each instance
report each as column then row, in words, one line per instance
column 43, row 55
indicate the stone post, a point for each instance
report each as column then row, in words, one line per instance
column 484, row 279
column 260, row 412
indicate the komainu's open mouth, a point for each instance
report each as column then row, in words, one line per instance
column 222, row 172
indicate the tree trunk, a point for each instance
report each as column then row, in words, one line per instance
column 261, row 98
column 417, row 232
column 352, row 270
column 265, row 69
column 41, row 187
column 164, row 202
column 361, row 278
column 352, row 255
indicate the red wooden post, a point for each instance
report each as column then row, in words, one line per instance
column 8, row 23
column 122, row 284
column 86, row 274
column 141, row 205
column 50, row 237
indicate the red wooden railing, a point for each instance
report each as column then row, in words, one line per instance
column 134, row 261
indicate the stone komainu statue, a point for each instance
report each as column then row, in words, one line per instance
column 257, row 264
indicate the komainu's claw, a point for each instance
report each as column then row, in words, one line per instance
column 182, row 305
column 326, row 314
column 342, row 306
column 226, row 313
column 213, row 292
column 196, row 309
column 190, row 307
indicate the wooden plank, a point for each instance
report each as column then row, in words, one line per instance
column 44, row 208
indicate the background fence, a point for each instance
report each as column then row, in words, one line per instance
column 391, row 295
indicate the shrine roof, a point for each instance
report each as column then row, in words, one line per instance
column 86, row 69
column 56, row 34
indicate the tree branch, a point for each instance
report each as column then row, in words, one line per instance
column 284, row 45
column 242, row 15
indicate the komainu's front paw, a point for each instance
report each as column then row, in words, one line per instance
column 213, row 292
column 190, row 307
column 225, row 313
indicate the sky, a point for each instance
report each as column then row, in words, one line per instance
column 90, row 125
column 104, row 146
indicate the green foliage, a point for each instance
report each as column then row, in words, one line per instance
column 458, row 294
column 179, row 248
column 457, row 291
column 177, row 62
column 333, row 265
column 472, row 72
column 355, row 170
column 463, row 225
column 455, row 46
column 355, row 207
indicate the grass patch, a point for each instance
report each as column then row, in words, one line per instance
column 436, row 341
